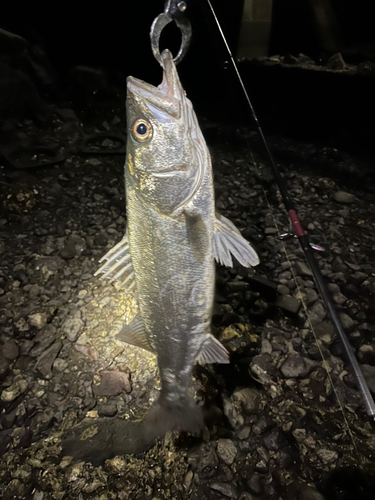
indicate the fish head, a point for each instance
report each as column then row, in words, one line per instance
column 166, row 151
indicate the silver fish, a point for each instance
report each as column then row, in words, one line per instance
column 167, row 256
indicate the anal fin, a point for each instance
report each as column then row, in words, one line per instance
column 212, row 351
column 228, row 241
column 135, row 334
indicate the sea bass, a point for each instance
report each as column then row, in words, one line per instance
column 173, row 236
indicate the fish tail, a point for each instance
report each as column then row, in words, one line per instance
column 179, row 412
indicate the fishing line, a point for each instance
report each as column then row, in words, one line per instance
column 364, row 390
column 304, row 305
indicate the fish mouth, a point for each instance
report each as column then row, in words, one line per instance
column 167, row 96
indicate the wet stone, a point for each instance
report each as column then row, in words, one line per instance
column 226, row 451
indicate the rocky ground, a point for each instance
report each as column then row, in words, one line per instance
column 284, row 419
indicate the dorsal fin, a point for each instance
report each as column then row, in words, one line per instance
column 118, row 266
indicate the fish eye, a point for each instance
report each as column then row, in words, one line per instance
column 141, row 130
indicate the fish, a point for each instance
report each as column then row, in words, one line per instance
column 166, row 258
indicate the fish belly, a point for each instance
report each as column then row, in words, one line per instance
column 175, row 275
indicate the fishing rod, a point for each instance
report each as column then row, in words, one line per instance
column 304, row 242
column 175, row 10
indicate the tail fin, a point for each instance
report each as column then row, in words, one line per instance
column 173, row 413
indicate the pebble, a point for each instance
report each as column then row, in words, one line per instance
column 10, row 350
column 254, row 484
column 224, row 488
column 60, row 365
column 244, row 433
column 42, row 340
column 327, row 456
column 72, row 328
column 4, row 365
column 113, row 383
column 226, row 450
column 247, row 400
column 283, row 290
column 39, row 320
column 288, row 304
column 317, row 312
column 303, row 269
column 325, row 332
column 346, row 321
column 343, row 197
column 45, row 361
column 15, row 390
column 307, row 493
column 294, row 366
column 246, row 496
column 69, row 250
column 107, row 410
column 369, row 374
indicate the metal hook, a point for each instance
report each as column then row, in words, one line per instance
column 174, row 10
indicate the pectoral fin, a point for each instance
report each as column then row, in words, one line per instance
column 135, row 334
column 118, row 266
column 228, row 240
column 212, row 351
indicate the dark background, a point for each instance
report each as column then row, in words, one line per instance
column 290, row 101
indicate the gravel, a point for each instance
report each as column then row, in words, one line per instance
column 74, row 395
